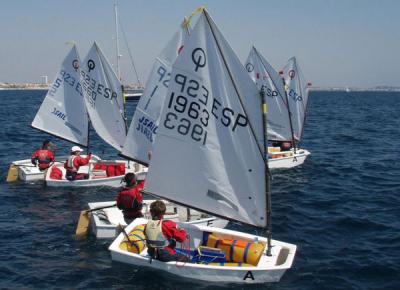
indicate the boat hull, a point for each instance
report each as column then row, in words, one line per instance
column 268, row 269
column 287, row 159
column 28, row 172
column 104, row 224
column 113, row 181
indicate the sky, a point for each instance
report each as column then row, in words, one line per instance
column 352, row 43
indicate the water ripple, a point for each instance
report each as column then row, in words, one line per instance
column 342, row 207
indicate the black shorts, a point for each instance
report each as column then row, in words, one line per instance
column 164, row 256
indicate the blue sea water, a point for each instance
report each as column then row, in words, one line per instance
column 341, row 208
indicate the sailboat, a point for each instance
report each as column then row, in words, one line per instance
column 297, row 90
column 209, row 155
column 105, row 222
column 102, row 97
column 280, row 123
column 61, row 114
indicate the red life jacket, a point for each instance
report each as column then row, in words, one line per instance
column 130, row 201
column 44, row 158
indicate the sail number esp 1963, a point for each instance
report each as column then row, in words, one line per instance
column 191, row 107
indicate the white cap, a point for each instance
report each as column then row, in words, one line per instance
column 76, row 148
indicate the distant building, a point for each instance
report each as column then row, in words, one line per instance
column 44, row 80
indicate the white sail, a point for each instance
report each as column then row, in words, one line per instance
column 143, row 128
column 103, row 97
column 63, row 113
column 297, row 92
column 265, row 77
column 206, row 154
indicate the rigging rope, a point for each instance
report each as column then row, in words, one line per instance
column 130, row 54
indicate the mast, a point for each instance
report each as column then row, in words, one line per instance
column 117, row 39
column 290, row 114
column 267, row 172
column 130, row 55
column 118, row 59
column 88, row 136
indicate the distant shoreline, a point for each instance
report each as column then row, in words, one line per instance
column 45, row 87
column 24, row 89
column 352, row 90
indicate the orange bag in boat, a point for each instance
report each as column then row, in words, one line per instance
column 237, row 251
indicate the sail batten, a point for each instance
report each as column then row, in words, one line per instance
column 205, row 154
column 62, row 112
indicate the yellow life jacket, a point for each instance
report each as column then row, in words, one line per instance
column 154, row 235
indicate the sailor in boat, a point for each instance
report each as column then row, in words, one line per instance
column 283, row 145
column 43, row 157
column 129, row 199
column 73, row 163
column 161, row 235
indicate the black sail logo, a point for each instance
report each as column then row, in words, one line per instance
column 249, row 67
column 75, row 64
column 90, row 64
column 199, row 58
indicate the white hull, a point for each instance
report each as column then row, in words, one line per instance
column 104, row 224
column 269, row 269
column 29, row 172
column 94, row 180
column 287, row 159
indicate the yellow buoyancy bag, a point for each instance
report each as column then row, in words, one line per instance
column 231, row 264
column 137, row 240
column 237, row 251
